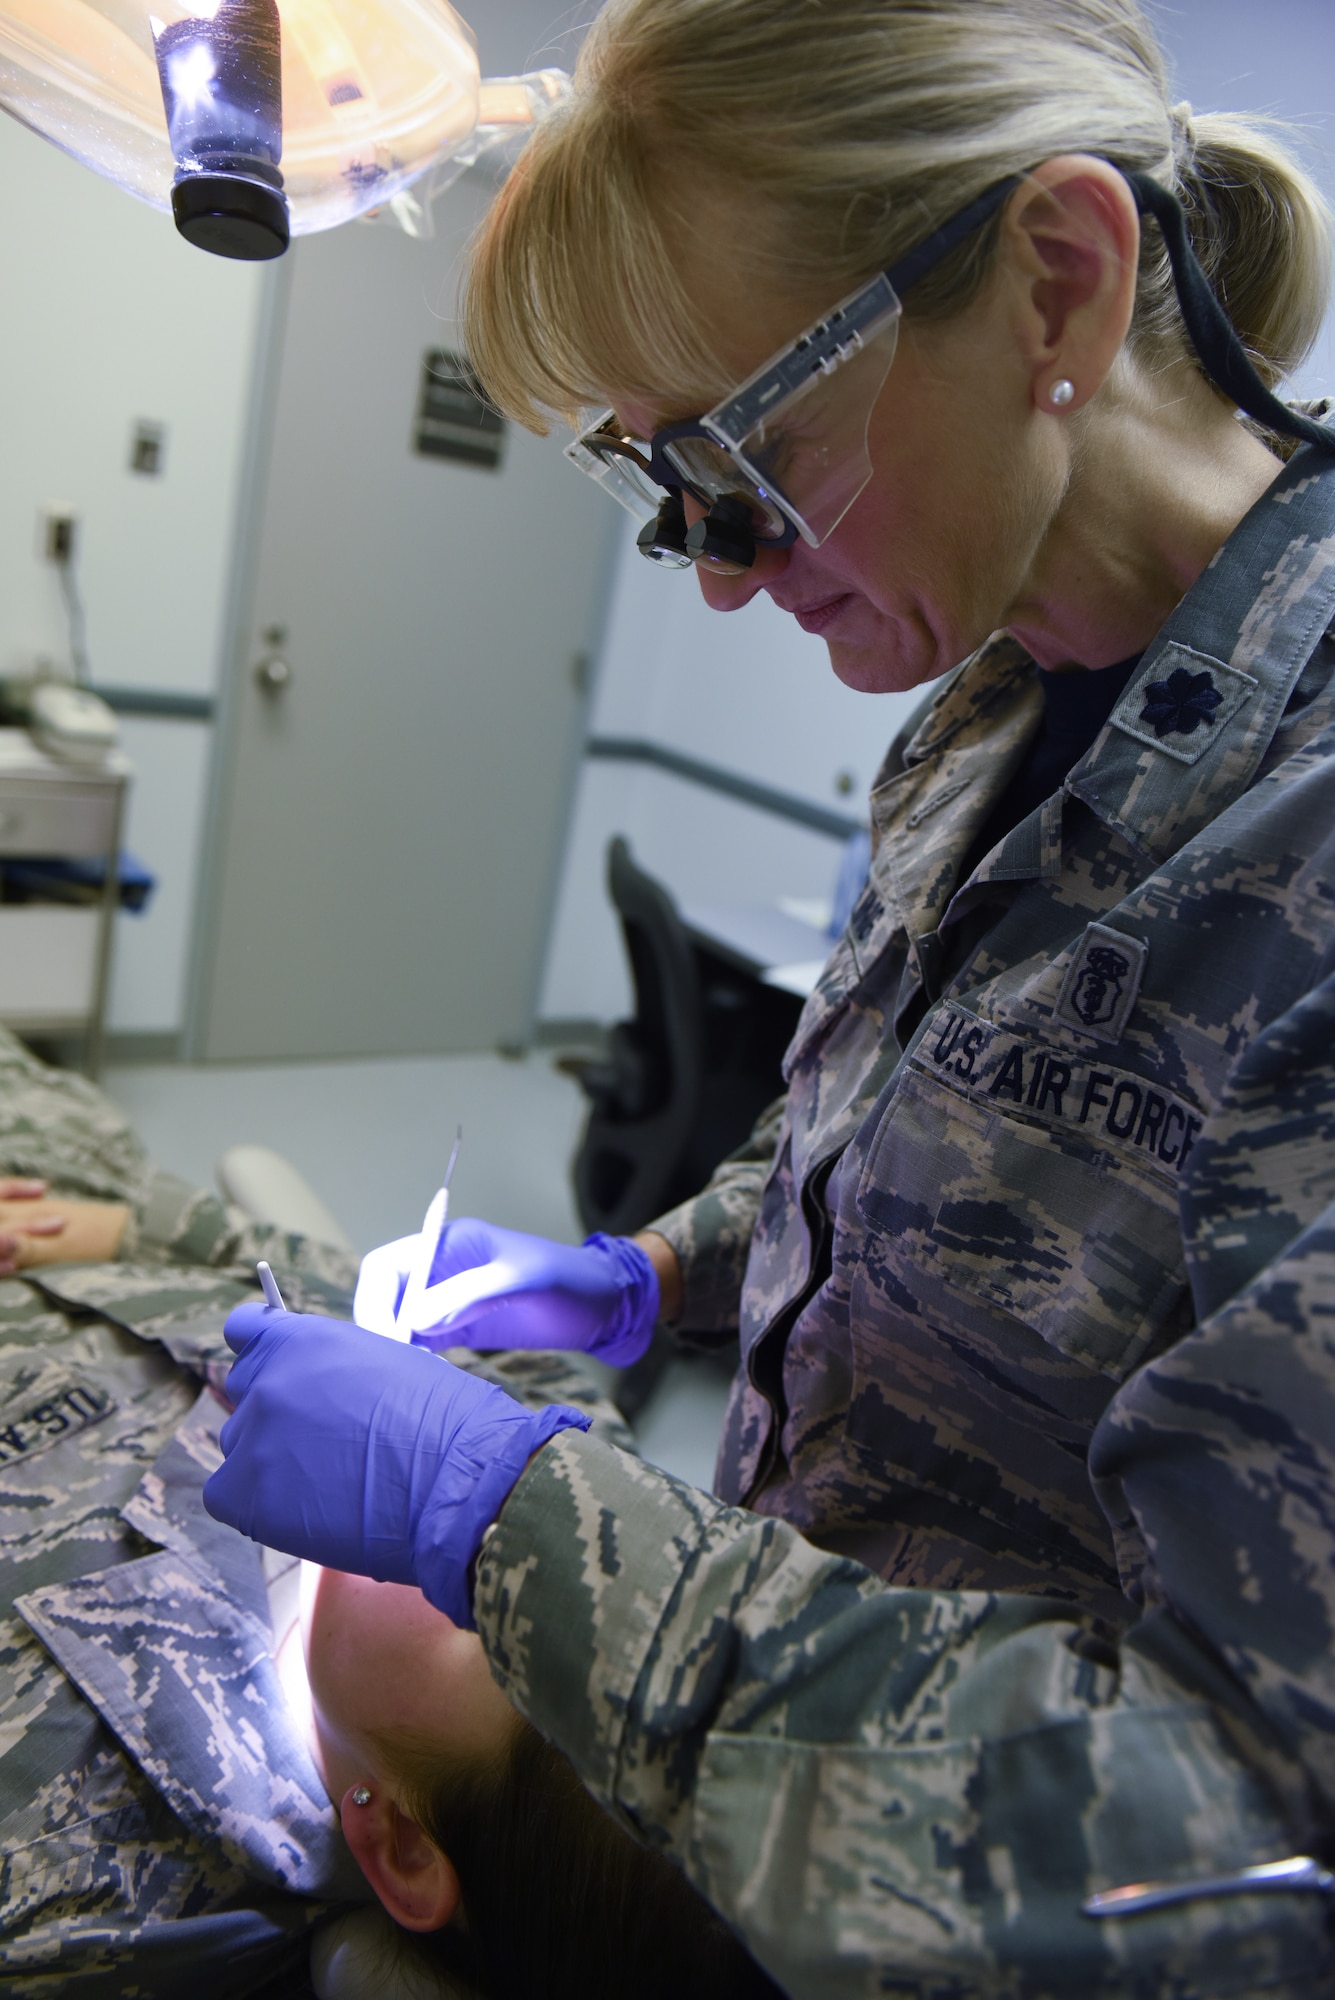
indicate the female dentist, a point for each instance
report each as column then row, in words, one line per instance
column 912, row 315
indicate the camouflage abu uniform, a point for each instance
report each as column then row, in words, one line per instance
column 960, row 1234
column 162, row 1828
column 62, row 1128
column 911, row 1792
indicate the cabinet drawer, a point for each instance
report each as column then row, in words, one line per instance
column 48, row 962
column 56, row 818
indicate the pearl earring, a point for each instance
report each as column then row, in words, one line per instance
column 1062, row 392
column 361, row 1795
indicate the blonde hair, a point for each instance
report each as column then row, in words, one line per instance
column 834, row 137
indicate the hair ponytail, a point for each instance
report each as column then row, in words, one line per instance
column 1262, row 233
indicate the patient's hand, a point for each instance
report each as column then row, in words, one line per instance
column 37, row 1228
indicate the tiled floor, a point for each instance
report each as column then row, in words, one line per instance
column 372, row 1138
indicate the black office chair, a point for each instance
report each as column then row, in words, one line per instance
column 680, row 1087
column 683, row 1081
column 645, row 1094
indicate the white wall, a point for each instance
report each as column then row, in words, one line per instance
column 753, row 692
column 164, row 829
column 1279, row 58
column 109, row 317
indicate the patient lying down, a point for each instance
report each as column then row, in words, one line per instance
column 472, row 1831
column 164, row 1828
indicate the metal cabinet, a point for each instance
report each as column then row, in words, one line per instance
column 55, row 959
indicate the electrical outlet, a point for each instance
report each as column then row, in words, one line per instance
column 147, row 448
column 58, row 532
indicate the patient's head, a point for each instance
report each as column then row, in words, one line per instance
column 477, row 1833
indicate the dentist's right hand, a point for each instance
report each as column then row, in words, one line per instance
column 367, row 1455
column 498, row 1288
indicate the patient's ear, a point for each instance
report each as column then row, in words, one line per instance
column 415, row 1882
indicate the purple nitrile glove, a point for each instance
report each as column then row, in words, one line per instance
column 367, row 1455
column 496, row 1288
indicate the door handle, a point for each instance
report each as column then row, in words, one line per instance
column 273, row 675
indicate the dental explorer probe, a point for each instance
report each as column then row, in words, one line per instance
column 420, row 1270
column 269, row 1286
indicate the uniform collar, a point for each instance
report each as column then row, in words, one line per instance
column 175, row 1653
column 1190, row 731
column 1253, row 617
column 956, row 765
column 1184, row 739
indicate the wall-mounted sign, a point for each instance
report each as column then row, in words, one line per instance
column 454, row 418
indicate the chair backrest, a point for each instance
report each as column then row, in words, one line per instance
column 645, row 1098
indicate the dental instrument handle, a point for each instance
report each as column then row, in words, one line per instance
column 420, row 1271
column 1296, row 1872
column 433, row 1223
column 269, row 1286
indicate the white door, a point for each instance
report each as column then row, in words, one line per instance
column 388, row 825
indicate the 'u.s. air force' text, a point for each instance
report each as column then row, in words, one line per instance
column 72, row 1408
column 1059, row 1089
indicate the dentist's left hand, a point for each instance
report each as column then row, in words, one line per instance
column 368, row 1455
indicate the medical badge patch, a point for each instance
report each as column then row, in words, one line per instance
column 1102, row 982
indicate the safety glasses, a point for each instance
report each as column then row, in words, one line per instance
column 786, row 453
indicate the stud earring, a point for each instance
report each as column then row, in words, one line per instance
column 1061, row 393
column 361, row 1795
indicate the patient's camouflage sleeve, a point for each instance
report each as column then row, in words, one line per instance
column 189, row 1225
column 64, row 1129
column 912, row 1791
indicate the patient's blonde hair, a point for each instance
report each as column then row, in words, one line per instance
column 833, row 137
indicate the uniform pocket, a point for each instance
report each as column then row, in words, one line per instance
column 1040, row 1220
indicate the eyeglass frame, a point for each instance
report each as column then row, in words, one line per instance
column 1211, row 332
column 820, row 349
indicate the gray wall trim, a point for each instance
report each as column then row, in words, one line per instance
column 580, row 1032
column 235, row 649
column 161, row 703
column 128, row 1050
column 713, row 777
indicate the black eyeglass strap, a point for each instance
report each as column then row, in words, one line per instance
column 1221, row 353
column 1212, row 334
column 934, row 247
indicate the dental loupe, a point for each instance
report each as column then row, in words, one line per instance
column 256, row 120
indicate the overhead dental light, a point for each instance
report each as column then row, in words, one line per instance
column 257, row 120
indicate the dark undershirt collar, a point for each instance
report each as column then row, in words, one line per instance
column 1076, row 705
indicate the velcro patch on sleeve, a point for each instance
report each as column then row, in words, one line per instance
column 68, row 1408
